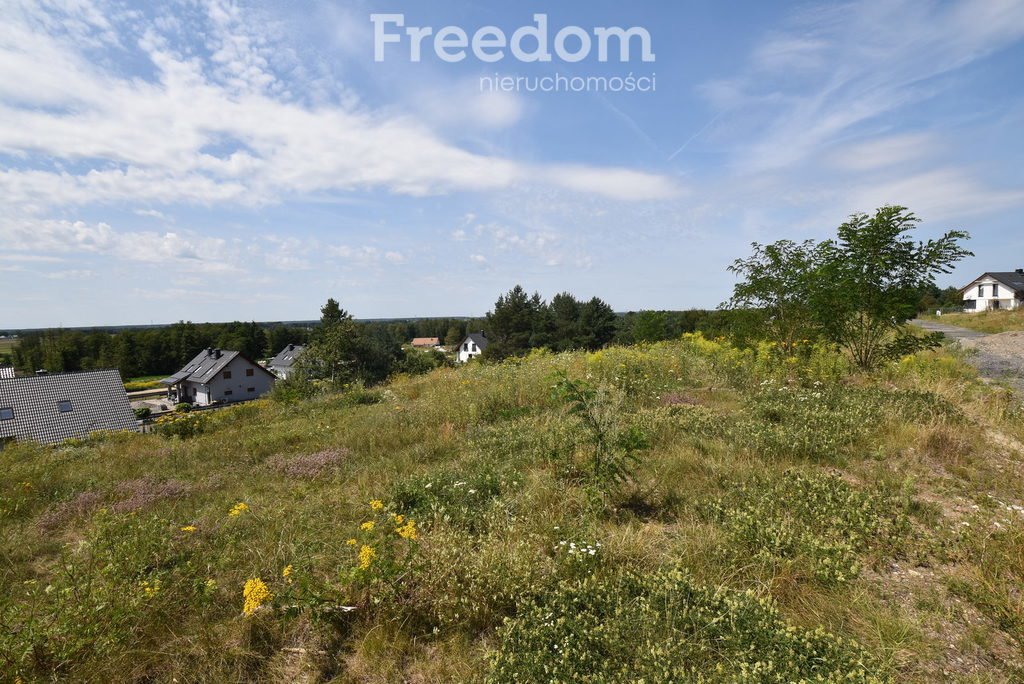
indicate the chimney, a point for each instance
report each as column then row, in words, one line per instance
column 291, row 347
column 216, row 353
column 209, row 351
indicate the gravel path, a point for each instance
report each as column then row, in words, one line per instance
column 997, row 357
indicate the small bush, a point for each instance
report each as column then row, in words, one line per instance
column 820, row 519
column 661, row 627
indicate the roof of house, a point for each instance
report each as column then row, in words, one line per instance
column 6, row 372
column 478, row 338
column 1011, row 279
column 287, row 357
column 426, row 341
column 206, row 365
column 53, row 408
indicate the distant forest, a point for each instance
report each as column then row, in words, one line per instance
column 154, row 351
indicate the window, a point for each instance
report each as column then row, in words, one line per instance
column 251, row 389
column 64, row 406
column 981, row 290
column 249, row 372
column 474, row 348
column 995, row 290
column 6, row 414
column 228, row 393
column 465, row 347
column 227, row 375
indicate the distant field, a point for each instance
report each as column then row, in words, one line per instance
column 986, row 321
column 7, row 345
column 144, row 382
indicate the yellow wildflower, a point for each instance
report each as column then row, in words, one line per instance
column 211, row 584
column 376, row 504
column 150, row 589
column 399, row 519
column 351, row 542
column 368, row 525
column 287, row 572
column 407, row 531
column 255, row 594
column 188, row 528
column 366, row 556
column 238, row 509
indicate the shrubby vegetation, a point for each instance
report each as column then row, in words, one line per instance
column 771, row 516
column 856, row 291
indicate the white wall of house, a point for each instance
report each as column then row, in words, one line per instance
column 467, row 350
column 989, row 294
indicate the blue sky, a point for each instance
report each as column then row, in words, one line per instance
column 211, row 160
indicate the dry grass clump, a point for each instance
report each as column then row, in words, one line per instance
column 145, row 492
column 309, row 466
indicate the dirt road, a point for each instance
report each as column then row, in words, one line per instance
column 997, row 357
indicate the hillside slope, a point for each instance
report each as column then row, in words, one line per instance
column 685, row 511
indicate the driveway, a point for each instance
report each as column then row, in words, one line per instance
column 997, row 357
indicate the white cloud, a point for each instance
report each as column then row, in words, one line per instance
column 150, row 141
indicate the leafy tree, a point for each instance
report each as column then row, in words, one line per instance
column 778, row 280
column 873, row 275
column 650, row 326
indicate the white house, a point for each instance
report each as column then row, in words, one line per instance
column 991, row 291
column 283, row 364
column 471, row 347
column 216, row 376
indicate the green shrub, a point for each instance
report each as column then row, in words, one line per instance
column 819, row 519
column 661, row 627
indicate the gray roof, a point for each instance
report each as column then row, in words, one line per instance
column 1011, row 279
column 288, row 356
column 477, row 338
column 205, row 366
column 6, row 372
column 53, row 408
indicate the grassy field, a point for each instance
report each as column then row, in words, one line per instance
column 985, row 321
column 145, row 382
column 7, row 345
column 680, row 512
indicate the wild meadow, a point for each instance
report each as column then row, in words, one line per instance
column 686, row 511
column 985, row 321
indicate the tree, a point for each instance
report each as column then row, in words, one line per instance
column 778, row 280
column 331, row 312
column 511, row 325
column 333, row 353
column 649, row 326
column 874, row 275
column 597, row 324
column 565, row 322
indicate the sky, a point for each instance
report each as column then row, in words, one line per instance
column 210, row 160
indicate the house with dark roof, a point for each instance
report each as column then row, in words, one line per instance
column 995, row 290
column 471, row 347
column 219, row 376
column 283, row 364
column 53, row 408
